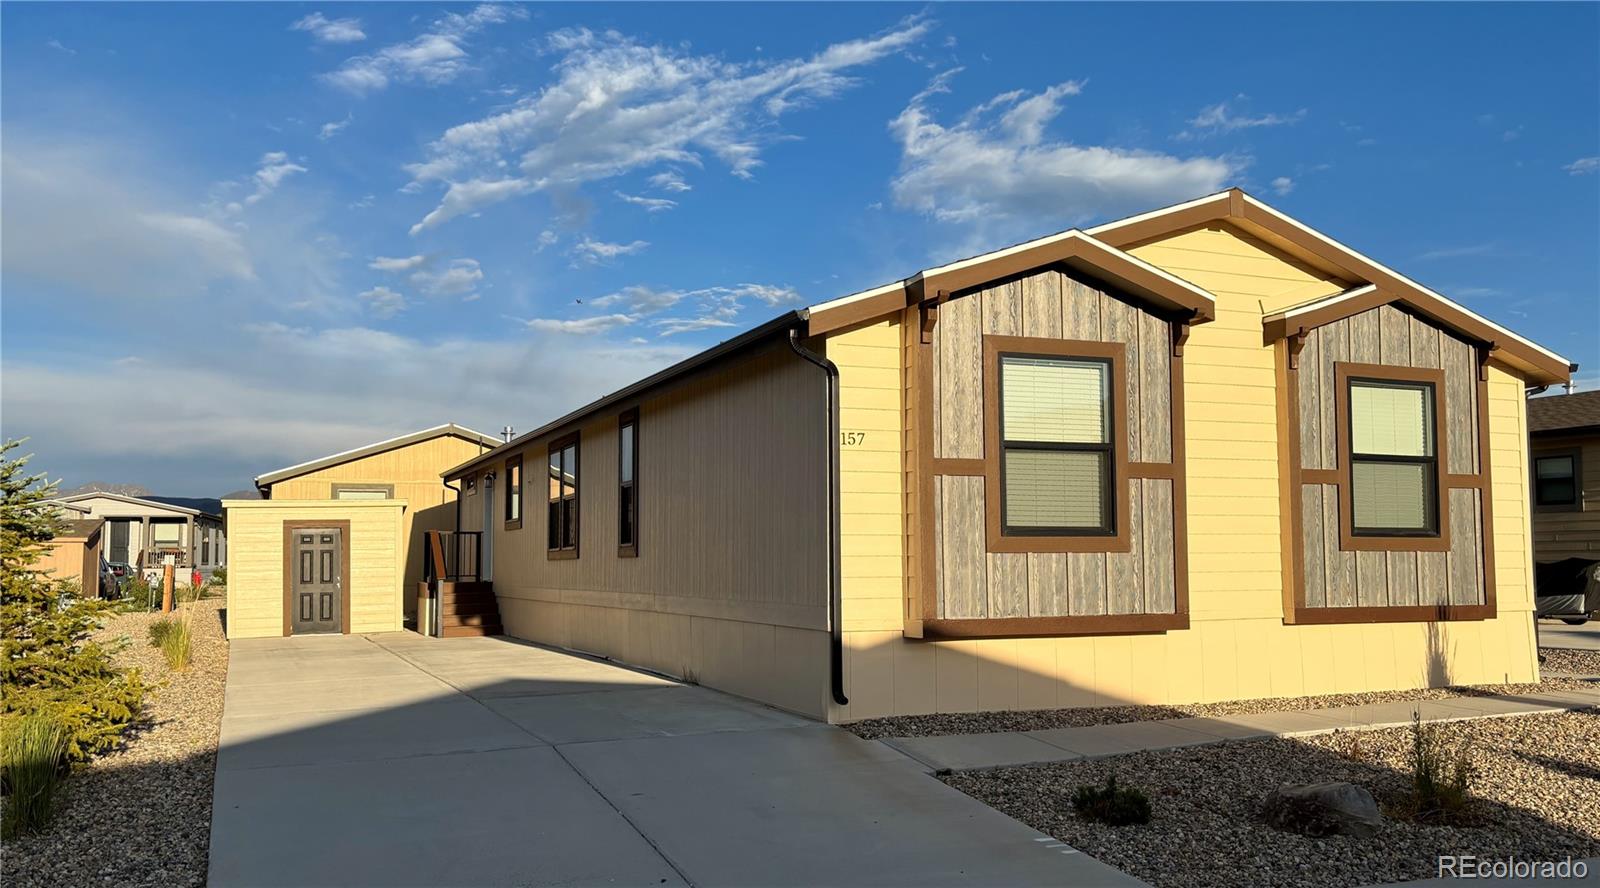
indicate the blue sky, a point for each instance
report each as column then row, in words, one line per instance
column 239, row 236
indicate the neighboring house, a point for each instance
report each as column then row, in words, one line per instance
column 74, row 554
column 1199, row 454
column 365, row 508
column 142, row 532
column 1564, row 435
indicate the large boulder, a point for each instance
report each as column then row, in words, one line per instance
column 1323, row 809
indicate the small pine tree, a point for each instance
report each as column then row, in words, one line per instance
column 49, row 663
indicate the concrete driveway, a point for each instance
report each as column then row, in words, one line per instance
column 403, row 760
column 1556, row 634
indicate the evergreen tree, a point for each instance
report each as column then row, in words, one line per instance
column 49, row 663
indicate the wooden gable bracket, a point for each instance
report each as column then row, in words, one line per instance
column 1296, row 342
column 1484, row 351
column 1180, row 335
column 930, row 314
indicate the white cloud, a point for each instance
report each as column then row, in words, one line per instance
column 1282, row 185
column 58, row 46
column 332, row 128
column 995, row 168
column 403, row 263
column 275, row 167
column 712, row 306
column 467, row 197
column 650, row 204
column 459, row 278
column 595, row 252
column 1221, row 118
column 670, row 180
column 1583, row 166
column 582, row 326
column 326, row 30
column 384, row 302
column 62, row 206
column 1483, row 249
column 547, row 239
column 433, row 57
column 618, row 105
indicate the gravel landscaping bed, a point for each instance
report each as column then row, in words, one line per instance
column 1536, row 797
column 942, row 724
column 1575, row 662
column 142, row 814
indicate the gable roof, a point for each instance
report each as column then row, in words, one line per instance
column 1073, row 248
column 438, row 431
column 131, row 500
column 1537, row 363
column 1564, row 413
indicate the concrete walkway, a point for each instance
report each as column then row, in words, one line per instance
column 403, row 760
column 963, row 752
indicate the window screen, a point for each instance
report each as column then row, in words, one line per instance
column 627, row 487
column 514, row 489
column 166, row 535
column 1393, row 466
column 1055, row 421
column 361, row 493
column 1556, row 480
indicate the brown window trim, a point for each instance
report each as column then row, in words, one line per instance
column 346, row 572
column 565, row 553
column 995, row 537
column 628, row 418
column 1293, row 478
column 1576, row 454
column 517, row 489
column 1439, row 539
column 338, row 487
column 921, row 602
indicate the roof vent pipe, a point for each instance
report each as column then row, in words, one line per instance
column 835, row 573
column 507, row 433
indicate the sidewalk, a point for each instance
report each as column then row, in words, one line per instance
column 965, row 752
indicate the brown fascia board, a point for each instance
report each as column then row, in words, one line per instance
column 1259, row 219
column 1073, row 248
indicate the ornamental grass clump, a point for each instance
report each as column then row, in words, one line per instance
column 1112, row 804
column 1441, row 776
column 176, row 640
column 33, row 752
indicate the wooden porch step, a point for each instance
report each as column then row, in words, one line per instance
column 470, row 631
column 490, row 618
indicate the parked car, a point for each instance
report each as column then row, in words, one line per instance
column 1568, row 590
column 110, row 580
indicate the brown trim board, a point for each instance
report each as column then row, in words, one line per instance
column 346, row 571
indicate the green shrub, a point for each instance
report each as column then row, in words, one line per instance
column 219, row 577
column 1113, row 804
column 159, row 630
column 32, row 753
column 177, row 639
column 49, row 664
column 1441, row 775
column 136, row 592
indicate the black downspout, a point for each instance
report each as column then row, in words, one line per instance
column 835, row 575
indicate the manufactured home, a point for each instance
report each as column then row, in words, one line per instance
column 1200, row 454
column 335, row 543
column 146, row 533
column 1565, row 438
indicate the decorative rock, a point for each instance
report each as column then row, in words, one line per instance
column 1323, row 809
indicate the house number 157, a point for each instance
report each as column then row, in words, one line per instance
column 852, row 439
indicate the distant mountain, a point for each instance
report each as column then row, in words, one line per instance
column 203, row 504
column 252, row 493
column 106, row 487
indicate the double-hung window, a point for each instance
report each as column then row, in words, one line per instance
column 628, row 484
column 562, row 519
column 514, row 492
column 1057, row 465
column 1555, row 481
column 1393, row 458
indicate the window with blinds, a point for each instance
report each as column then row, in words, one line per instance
column 1555, row 480
column 1056, row 448
column 1393, row 460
